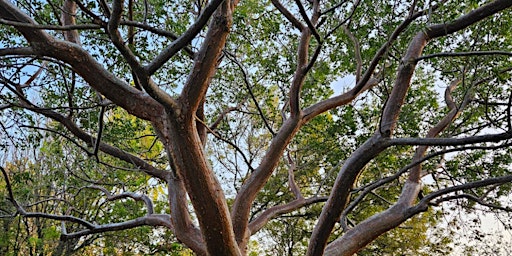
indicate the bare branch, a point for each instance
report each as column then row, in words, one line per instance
column 219, row 119
column 340, row 100
column 340, row 193
column 141, row 75
column 374, row 185
column 454, row 111
column 236, row 147
column 134, row 196
column 309, row 22
column 185, row 230
column 248, row 191
column 24, row 213
column 383, row 49
column 463, row 54
column 423, row 204
column 296, row 23
column 474, row 199
column 249, row 88
column 334, row 7
column 149, row 220
column 274, row 211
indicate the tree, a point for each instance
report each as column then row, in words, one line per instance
column 228, row 107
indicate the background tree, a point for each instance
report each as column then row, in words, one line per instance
column 214, row 120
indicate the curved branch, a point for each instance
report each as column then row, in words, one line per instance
column 23, row 212
column 423, row 204
column 340, row 193
column 246, row 195
column 274, row 211
column 149, row 220
column 291, row 179
column 473, row 198
column 383, row 49
column 372, row 186
column 454, row 111
column 253, row 97
column 134, row 196
column 357, row 52
column 340, row 100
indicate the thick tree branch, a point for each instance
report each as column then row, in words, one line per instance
column 17, row 51
column 409, row 195
column 207, row 59
column 452, row 141
column 185, row 230
column 345, row 179
column 340, row 193
column 464, row 21
column 68, row 19
column 241, row 207
column 122, row 94
column 383, row 49
column 366, row 231
column 141, row 75
column 247, row 194
column 182, row 41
